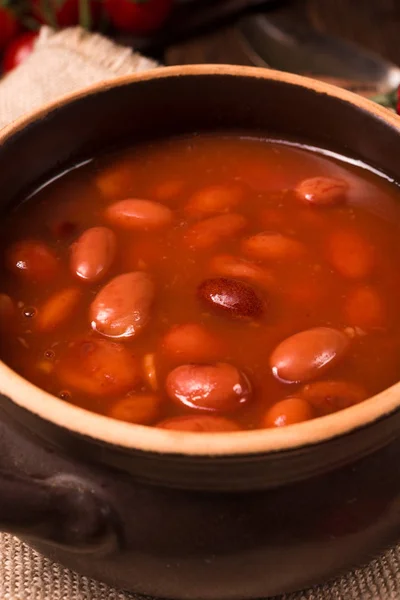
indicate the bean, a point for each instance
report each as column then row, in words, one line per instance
column 191, row 342
column 214, row 200
column 168, row 190
column 212, row 231
column 199, row 424
column 216, row 388
column 322, row 191
column 350, row 253
column 239, row 268
column 288, row 412
column 115, row 179
column 98, row 367
column 33, row 260
column 93, row 253
column 122, row 307
column 272, row 246
column 330, row 396
column 140, row 215
column 58, row 308
column 308, row 354
column 142, row 409
column 364, row 307
column 230, row 297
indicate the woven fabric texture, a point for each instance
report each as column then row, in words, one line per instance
column 63, row 62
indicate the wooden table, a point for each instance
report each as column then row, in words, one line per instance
column 375, row 24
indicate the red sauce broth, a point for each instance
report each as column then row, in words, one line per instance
column 246, row 242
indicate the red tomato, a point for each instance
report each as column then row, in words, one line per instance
column 63, row 13
column 8, row 26
column 18, row 50
column 138, row 16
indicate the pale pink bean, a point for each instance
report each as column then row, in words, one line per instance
column 308, row 354
column 122, row 307
column 140, row 215
column 273, row 246
column 93, row 253
column 220, row 387
column 322, row 191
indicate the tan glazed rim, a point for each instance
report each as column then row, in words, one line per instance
column 151, row 439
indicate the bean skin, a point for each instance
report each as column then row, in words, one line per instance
column 98, row 367
column 142, row 409
column 122, row 307
column 199, row 424
column 139, row 215
column 239, row 268
column 288, row 412
column 33, row 260
column 93, row 253
column 272, row 246
column 322, row 191
column 192, row 343
column 308, row 354
column 230, row 297
column 212, row 231
column 58, row 308
column 330, row 396
column 214, row 200
column 216, row 388
column 364, row 307
column 350, row 253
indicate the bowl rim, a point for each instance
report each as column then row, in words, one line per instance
column 150, row 439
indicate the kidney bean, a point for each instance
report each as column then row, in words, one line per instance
column 141, row 215
column 33, row 260
column 272, row 246
column 98, row 367
column 142, row 409
column 308, row 354
column 7, row 311
column 58, row 308
column 232, row 266
column 191, row 342
column 122, row 307
column 364, row 307
column 322, row 191
column 214, row 200
column 330, row 396
column 230, row 297
column 93, row 253
column 216, row 388
column 212, row 231
column 288, row 412
column 168, row 190
column 116, row 179
column 199, row 424
column 350, row 253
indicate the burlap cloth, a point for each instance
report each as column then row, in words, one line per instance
column 61, row 63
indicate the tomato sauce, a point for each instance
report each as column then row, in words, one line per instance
column 211, row 283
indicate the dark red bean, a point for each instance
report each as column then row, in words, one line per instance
column 230, row 297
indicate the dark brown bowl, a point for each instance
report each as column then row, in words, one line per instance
column 184, row 515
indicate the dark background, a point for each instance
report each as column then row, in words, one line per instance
column 375, row 24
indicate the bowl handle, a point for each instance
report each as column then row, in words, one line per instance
column 64, row 510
